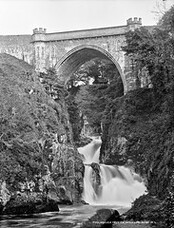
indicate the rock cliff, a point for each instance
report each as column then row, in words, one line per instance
column 39, row 164
column 137, row 133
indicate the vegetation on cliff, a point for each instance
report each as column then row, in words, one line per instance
column 37, row 155
column 28, row 119
column 103, row 85
column 141, row 126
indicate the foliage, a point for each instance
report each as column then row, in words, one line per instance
column 94, row 71
column 166, row 212
column 75, row 117
column 144, row 208
column 92, row 104
column 145, row 117
column 167, row 21
column 153, row 50
column 93, row 98
column 28, row 119
column 51, row 83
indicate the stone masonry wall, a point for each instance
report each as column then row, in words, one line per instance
column 19, row 46
column 53, row 49
column 44, row 50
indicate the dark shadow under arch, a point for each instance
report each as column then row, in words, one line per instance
column 76, row 57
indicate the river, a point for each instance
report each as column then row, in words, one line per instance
column 119, row 187
column 67, row 217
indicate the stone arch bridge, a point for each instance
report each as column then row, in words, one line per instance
column 67, row 51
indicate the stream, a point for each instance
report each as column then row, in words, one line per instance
column 114, row 185
column 68, row 217
column 118, row 188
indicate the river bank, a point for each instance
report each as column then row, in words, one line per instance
column 68, row 216
column 75, row 216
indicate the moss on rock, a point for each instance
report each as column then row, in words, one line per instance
column 144, row 124
column 35, row 133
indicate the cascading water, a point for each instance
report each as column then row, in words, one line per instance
column 118, row 184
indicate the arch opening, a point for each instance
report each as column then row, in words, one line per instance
column 78, row 56
column 88, row 102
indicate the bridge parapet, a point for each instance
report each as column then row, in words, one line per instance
column 41, row 35
column 70, row 49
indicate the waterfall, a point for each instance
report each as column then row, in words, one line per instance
column 118, row 184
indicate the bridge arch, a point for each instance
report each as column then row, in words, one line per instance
column 77, row 56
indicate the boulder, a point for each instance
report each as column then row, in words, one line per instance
column 83, row 141
column 146, row 207
column 64, row 197
column 102, row 218
column 96, row 179
column 29, row 204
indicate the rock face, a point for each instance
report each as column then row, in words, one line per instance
column 103, row 218
column 39, row 164
column 96, row 178
column 146, row 208
column 30, row 203
column 139, row 135
column 4, row 193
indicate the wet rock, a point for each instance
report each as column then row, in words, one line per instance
column 30, row 197
column 48, row 205
column 68, row 171
column 83, row 141
column 84, row 202
column 79, row 175
column 139, row 133
column 102, row 218
column 4, row 193
column 63, row 196
column 96, row 179
column 146, row 207
column 29, row 204
column 116, row 153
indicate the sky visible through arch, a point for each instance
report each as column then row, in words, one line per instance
column 22, row 16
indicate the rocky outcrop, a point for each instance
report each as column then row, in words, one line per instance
column 4, row 193
column 96, row 178
column 145, row 208
column 139, row 135
column 103, row 218
column 39, row 164
column 30, row 203
column 67, row 172
column 83, row 141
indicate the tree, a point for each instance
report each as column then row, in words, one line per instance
column 91, row 102
column 75, row 115
column 154, row 51
column 167, row 21
column 93, row 98
column 51, row 83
